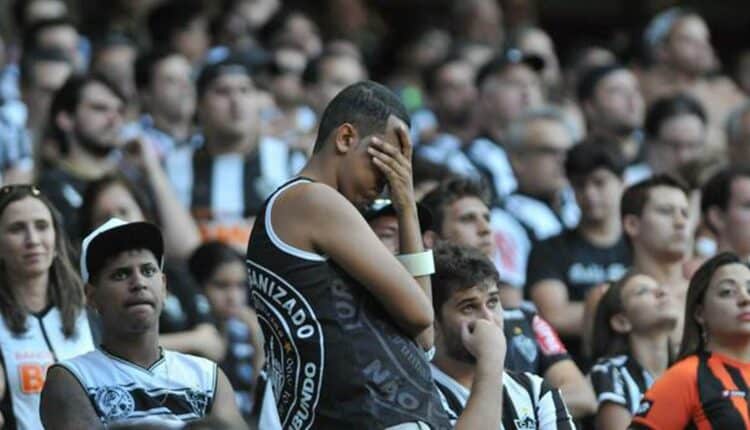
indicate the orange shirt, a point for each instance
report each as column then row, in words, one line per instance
column 704, row 391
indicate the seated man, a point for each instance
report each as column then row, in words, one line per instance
column 461, row 217
column 465, row 290
column 131, row 379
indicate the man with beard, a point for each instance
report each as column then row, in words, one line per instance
column 465, row 291
column 85, row 119
column 613, row 106
column 443, row 132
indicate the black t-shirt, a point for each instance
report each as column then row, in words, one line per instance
column 65, row 191
column 580, row 265
column 533, row 345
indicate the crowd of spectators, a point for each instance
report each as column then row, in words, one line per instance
column 597, row 186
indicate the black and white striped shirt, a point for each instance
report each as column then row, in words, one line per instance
column 15, row 146
column 224, row 192
column 620, row 380
column 528, row 402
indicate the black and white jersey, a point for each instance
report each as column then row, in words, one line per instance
column 528, row 402
column 178, row 388
column 539, row 219
column 26, row 358
column 224, row 191
column 334, row 357
column 620, row 380
column 15, row 146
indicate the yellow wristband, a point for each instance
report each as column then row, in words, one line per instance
column 419, row 263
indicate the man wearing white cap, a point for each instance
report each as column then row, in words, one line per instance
column 130, row 379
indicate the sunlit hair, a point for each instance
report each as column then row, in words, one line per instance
column 65, row 287
column 693, row 336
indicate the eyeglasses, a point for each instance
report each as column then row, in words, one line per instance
column 17, row 189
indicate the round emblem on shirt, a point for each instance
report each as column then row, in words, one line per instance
column 526, row 347
column 114, row 402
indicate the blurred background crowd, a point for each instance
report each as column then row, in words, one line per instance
column 539, row 114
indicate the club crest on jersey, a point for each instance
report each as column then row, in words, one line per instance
column 525, row 423
column 525, row 346
column 114, row 402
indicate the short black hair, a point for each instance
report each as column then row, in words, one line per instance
column 39, row 55
column 636, row 196
column 589, row 155
column 170, row 17
column 110, row 40
column 459, row 268
column 591, row 77
column 447, row 193
column 366, row 105
column 96, row 188
column 211, row 72
column 668, row 107
column 208, row 257
column 67, row 98
column 717, row 191
column 30, row 41
column 430, row 74
column 146, row 63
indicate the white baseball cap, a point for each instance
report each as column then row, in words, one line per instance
column 116, row 236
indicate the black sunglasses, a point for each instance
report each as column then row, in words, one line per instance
column 16, row 189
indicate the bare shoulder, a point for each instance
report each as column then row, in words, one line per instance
column 64, row 403
column 311, row 196
column 303, row 212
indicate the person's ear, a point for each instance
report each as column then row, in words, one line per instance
column 163, row 286
column 620, row 323
column 631, row 224
column 64, row 121
column 698, row 315
column 345, row 138
column 89, row 291
column 589, row 109
column 715, row 219
column 429, row 239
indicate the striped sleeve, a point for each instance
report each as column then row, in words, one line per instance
column 551, row 410
column 608, row 384
column 15, row 147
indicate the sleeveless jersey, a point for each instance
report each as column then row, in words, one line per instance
column 26, row 358
column 176, row 389
column 334, row 357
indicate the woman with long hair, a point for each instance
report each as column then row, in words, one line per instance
column 220, row 271
column 41, row 301
column 631, row 341
column 708, row 386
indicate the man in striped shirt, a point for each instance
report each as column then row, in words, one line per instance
column 464, row 290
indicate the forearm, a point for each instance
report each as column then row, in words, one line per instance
column 484, row 409
column 579, row 397
column 181, row 235
column 567, row 319
column 410, row 241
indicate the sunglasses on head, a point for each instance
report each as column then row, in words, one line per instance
column 16, row 189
